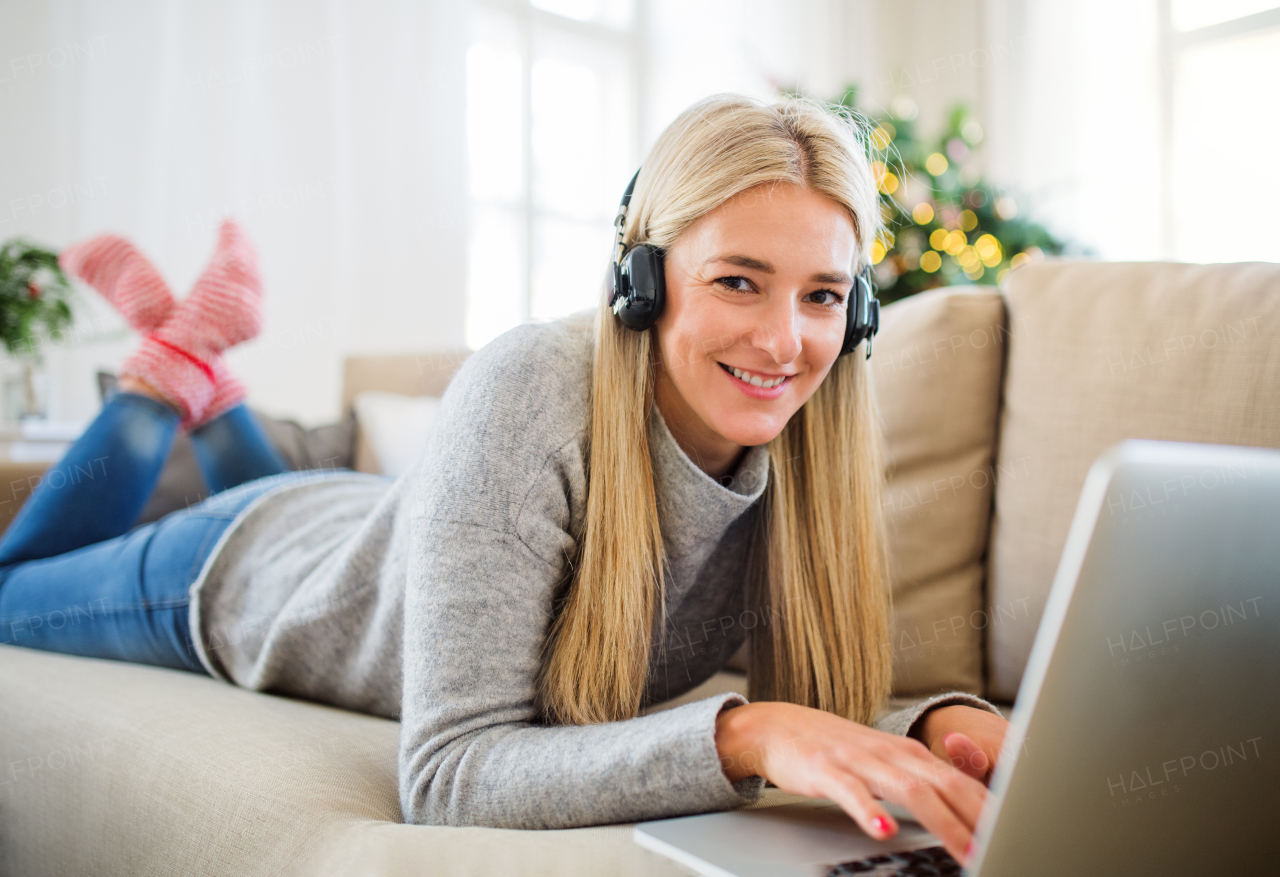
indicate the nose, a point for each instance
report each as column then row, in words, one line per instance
column 778, row 332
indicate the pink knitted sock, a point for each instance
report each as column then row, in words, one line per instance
column 181, row 358
column 124, row 277
column 227, row 393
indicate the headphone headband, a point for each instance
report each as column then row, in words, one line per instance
column 620, row 223
column 638, row 290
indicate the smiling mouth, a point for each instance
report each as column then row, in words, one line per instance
column 754, row 379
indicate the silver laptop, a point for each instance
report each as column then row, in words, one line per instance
column 1143, row 740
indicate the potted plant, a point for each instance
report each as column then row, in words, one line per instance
column 35, row 298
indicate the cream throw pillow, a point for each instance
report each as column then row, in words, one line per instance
column 1107, row 351
column 392, row 430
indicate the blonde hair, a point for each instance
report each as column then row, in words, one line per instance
column 818, row 562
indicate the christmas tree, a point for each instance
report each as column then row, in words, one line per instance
column 943, row 224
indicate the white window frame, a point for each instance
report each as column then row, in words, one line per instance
column 1172, row 43
column 632, row 39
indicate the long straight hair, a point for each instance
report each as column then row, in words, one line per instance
column 818, row 566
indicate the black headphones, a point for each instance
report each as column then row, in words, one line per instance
column 638, row 288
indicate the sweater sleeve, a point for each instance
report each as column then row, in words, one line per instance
column 906, row 721
column 491, row 528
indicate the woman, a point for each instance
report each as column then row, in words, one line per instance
column 599, row 517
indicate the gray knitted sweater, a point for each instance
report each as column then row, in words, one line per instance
column 428, row 599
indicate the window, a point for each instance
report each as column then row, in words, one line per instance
column 1220, row 170
column 553, row 138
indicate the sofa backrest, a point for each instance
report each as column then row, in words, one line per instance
column 1097, row 353
column 410, row 374
column 936, row 369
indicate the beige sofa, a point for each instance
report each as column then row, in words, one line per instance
column 994, row 403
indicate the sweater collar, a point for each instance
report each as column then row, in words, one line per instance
column 693, row 507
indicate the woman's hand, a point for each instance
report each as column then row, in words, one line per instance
column 967, row 737
column 814, row 753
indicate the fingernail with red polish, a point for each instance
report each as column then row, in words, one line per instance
column 968, row 851
column 880, row 824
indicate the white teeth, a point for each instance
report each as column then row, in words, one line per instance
column 755, row 380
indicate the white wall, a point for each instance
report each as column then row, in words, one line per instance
column 334, row 131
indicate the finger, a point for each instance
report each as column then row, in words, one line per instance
column 966, row 756
column 913, row 790
column 962, row 793
column 934, row 813
column 853, row 796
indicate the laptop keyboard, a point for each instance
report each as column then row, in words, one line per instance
column 926, row 862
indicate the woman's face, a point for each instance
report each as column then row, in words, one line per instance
column 756, row 294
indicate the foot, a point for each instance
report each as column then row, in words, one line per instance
column 228, row 392
column 182, row 358
column 124, row 277
column 225, row 305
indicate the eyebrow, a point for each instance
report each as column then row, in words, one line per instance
column 758, row 265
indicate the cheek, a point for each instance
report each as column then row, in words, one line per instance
column 821, row 360
column 826, row 341
column 823, row 347
column 820, row 376
column 697, row 344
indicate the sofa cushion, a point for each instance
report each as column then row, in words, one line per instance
column 1104, row 352
column 936, row 369
column 109, row 768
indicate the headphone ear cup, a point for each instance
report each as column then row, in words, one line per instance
column 642, row 287
column 858, row 319
column 863, row 315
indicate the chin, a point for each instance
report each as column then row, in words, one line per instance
column 749, row 429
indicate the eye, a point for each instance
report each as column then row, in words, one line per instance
column 832, row 298
column 732, row 283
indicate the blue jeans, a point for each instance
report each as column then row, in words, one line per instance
column 77, row 577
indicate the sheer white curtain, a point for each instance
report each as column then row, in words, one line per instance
column 335, row 131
